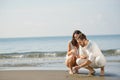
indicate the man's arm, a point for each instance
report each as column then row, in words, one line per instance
column 86, row 63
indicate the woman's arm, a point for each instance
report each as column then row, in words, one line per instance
column 69, row 49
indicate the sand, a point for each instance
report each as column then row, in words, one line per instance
column 112, row 72
column 50, row 75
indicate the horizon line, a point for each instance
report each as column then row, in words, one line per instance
column 59, row 36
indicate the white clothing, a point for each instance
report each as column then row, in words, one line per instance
column 93, row 53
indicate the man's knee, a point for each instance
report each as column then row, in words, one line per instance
column 100, row 61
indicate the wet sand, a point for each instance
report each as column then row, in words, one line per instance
column 51, row 75
column 112, row 72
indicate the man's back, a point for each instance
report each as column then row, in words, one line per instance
column 92, row 48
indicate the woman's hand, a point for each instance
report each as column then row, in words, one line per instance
column 71, row 52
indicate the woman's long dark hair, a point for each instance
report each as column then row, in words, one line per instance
column 73, row 41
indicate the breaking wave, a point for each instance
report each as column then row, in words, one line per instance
column 111, row 52
column 32, row 55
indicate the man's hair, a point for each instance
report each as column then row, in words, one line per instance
column 82, row 36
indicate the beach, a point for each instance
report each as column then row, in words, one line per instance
column 37, row 36
column 49, row 75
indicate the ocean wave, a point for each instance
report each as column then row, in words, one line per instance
column 111, row 52
column 32, row 55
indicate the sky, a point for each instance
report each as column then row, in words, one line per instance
column 36, row 18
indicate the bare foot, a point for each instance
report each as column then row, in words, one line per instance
column 70, row 72
column 75, row 70
column 92, row 73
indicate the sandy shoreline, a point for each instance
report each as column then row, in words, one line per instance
column 50, row 75
column 111, row 73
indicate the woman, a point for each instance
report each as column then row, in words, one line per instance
column 72, row 52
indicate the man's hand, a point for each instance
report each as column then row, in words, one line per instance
column 77, row 67
column 83, row 57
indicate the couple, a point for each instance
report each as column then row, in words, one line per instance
column 83, row 53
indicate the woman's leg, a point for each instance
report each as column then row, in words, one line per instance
column 70, row 63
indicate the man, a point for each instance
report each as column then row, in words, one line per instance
column 94, row 56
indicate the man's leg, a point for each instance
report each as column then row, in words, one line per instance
column 100, row 62
column 102, row 71
column 80, row 61
column 92, row 71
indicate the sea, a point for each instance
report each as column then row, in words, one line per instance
column 48, row 53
